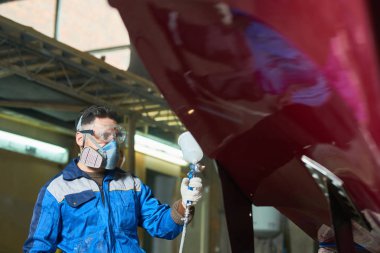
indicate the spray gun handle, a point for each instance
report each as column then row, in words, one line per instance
column 192, row 173
column 194, row 169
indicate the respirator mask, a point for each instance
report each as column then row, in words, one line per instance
column 107, row 156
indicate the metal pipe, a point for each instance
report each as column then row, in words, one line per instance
column 56, row 20
column 131, row 143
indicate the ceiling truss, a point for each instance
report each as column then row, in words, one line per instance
column 32, row 55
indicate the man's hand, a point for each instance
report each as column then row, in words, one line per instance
column 193, row 195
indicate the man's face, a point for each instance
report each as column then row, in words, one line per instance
column 105, row 130
column 96, row 136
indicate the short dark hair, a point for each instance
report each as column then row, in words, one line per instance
column 88, row 115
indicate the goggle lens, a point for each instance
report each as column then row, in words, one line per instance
column 107, row 134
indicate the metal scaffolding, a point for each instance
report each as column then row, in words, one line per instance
column 89, row 80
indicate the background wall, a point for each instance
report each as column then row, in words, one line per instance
column 21, row 179
column 22, row 176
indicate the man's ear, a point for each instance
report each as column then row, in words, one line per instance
column 79, row 137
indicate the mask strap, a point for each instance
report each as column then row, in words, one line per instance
column 96, row 144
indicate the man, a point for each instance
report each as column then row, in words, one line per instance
column 93, row 206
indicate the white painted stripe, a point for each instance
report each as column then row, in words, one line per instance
column 59, row 187
column 125, row 183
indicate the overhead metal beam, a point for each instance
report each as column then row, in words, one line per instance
column 41, row 105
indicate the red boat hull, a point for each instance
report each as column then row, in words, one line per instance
column 261, row 83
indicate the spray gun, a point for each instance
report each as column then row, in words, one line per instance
column 192, row 153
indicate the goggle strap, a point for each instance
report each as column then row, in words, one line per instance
column 84, row 140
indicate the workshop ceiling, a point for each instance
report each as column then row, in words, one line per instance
column 41, row 76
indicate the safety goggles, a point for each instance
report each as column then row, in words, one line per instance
column 108, row 133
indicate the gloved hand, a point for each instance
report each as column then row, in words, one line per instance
column 193, row 195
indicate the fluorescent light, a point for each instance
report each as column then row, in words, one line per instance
column 157, row 149
column 28, row 146
column 143, row 144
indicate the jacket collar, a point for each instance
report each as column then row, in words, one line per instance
column 72, row 171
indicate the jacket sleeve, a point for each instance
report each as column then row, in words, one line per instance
column 155, row 217
column 45, row 224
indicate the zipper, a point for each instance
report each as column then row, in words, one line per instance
column 106, row 184
column 101, row 190
column 105, row 210
column 102, row 193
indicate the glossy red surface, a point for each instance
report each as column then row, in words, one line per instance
column 260, row 83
